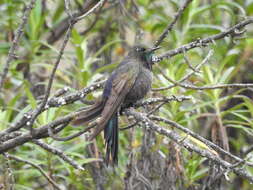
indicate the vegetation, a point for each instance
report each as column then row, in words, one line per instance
column 209, row 92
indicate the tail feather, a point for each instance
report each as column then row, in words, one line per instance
column 89, row 114
column 110, row 129
column 111, row 138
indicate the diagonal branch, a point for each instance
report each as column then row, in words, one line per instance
column 59, row 124
column 202, row 139
column 54, row 102
column 170, row 26
column 38, row 133
column 147, row 123
column 233, row 31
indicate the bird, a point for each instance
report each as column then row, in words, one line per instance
column 128, row 83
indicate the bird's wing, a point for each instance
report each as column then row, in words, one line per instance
column 121, row 85
column 89, row 114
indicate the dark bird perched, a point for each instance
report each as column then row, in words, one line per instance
column 129, row 82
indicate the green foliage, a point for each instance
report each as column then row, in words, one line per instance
column 92, row 56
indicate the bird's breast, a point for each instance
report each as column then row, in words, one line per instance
column 141, row 86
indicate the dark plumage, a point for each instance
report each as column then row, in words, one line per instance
column 129, row 82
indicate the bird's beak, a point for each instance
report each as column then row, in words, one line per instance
column 153, row 49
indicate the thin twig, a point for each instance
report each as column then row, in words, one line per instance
column 50, row 180
column 61, row 92
column 170, row 26
column 218, row 86
column 14, row 45
column 69, row 99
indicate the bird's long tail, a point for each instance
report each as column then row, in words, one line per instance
column 111, row 138
column 110, row 129
column 89, row 114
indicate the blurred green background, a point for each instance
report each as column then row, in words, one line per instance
column 97, row 44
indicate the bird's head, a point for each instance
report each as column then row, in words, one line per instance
column 144, row 54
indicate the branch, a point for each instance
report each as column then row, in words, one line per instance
column 170, row 26
column 69, row 99
column 203, row 42
column 54, row 102
column 43, row 131
column 190, row 147
column 7, row 136
column 188, row 86
column 202, row 139
column 40, row 132
column 14, row 45
column 72, row 21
